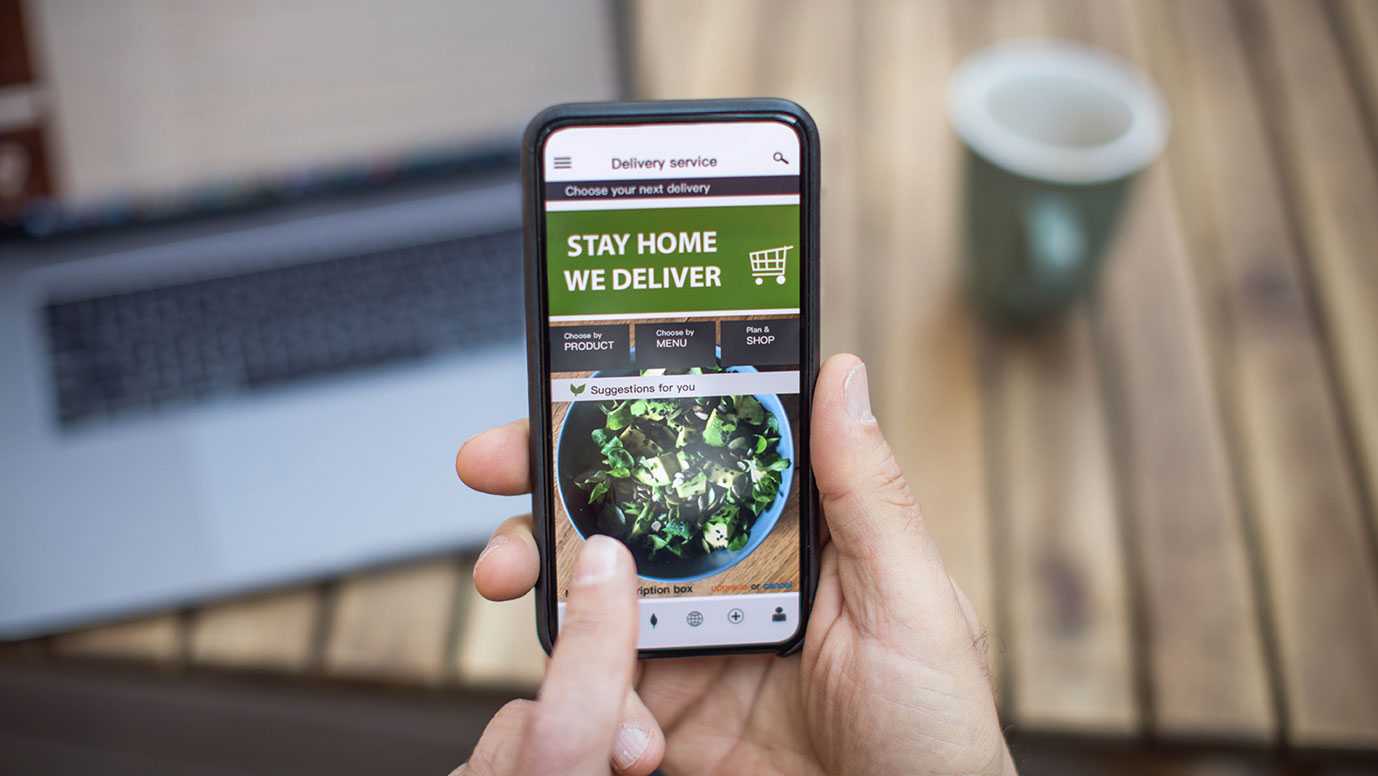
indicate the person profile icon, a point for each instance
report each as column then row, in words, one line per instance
column 779, row 615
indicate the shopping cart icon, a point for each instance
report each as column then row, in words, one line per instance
column 769, row 263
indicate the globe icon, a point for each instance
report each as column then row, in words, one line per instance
column 695, row 618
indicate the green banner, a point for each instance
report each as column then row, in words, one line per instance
column 654, row 260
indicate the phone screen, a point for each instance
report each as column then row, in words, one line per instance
column 675, row 294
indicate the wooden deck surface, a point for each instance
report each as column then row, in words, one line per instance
column 1162, row 506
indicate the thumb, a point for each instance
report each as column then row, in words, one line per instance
column 872, row 516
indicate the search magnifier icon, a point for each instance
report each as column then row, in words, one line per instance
column 779, row 157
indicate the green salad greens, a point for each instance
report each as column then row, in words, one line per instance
column 684, row 476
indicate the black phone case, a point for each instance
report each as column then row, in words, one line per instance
column 541, row 456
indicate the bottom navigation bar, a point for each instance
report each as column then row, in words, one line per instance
column 707, row 621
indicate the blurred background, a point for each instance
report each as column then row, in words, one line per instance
column 260, row 277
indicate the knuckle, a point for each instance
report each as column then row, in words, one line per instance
column 892, row 491
column 884, row 480
column 888, row 481
column 837, row 505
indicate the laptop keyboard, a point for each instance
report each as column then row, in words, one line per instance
column 147, row 348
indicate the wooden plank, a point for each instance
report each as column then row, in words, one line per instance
column 1333, row 176
column 1069, row 759
column 394, row 624
column 496, row 645
column 1071, row 661
column 154, row 638
column 55, row 721
column 1296, row 467
column 1207, row 670
column 925, row 377
column 1072, row 665
column 1083, row 663
column 983, row 23
column 1322, row 585
column 694, row 50
column 1162, row 53
column 652, row 27
column 1206, row 662
column 276, row 631
column 1359, row 21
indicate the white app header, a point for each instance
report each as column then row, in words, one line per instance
column 645, row 151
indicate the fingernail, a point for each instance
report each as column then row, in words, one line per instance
column 857, row 395
column 597, row 561
column 630, row 744
column 497, row 541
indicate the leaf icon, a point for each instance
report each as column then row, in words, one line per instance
column 576, row 389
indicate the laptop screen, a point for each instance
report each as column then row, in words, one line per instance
column 126, row 112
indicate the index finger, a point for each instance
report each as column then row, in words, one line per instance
column 590, row 673
column 495, row 461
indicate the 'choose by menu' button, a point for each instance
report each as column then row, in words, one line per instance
column 675, row 345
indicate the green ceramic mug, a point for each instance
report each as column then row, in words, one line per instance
column 1055, row 134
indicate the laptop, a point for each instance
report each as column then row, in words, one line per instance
column 264, row 281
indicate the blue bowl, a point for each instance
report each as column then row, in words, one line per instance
column 583, row 417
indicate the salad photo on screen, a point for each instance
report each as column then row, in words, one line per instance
column 683, row 476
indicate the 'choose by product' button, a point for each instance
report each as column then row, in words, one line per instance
column 586, row 348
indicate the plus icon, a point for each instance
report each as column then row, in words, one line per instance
column 735, row 616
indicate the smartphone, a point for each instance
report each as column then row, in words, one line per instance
column 671, row 262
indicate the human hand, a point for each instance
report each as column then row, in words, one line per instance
column 892, row 676
column 586, row 716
